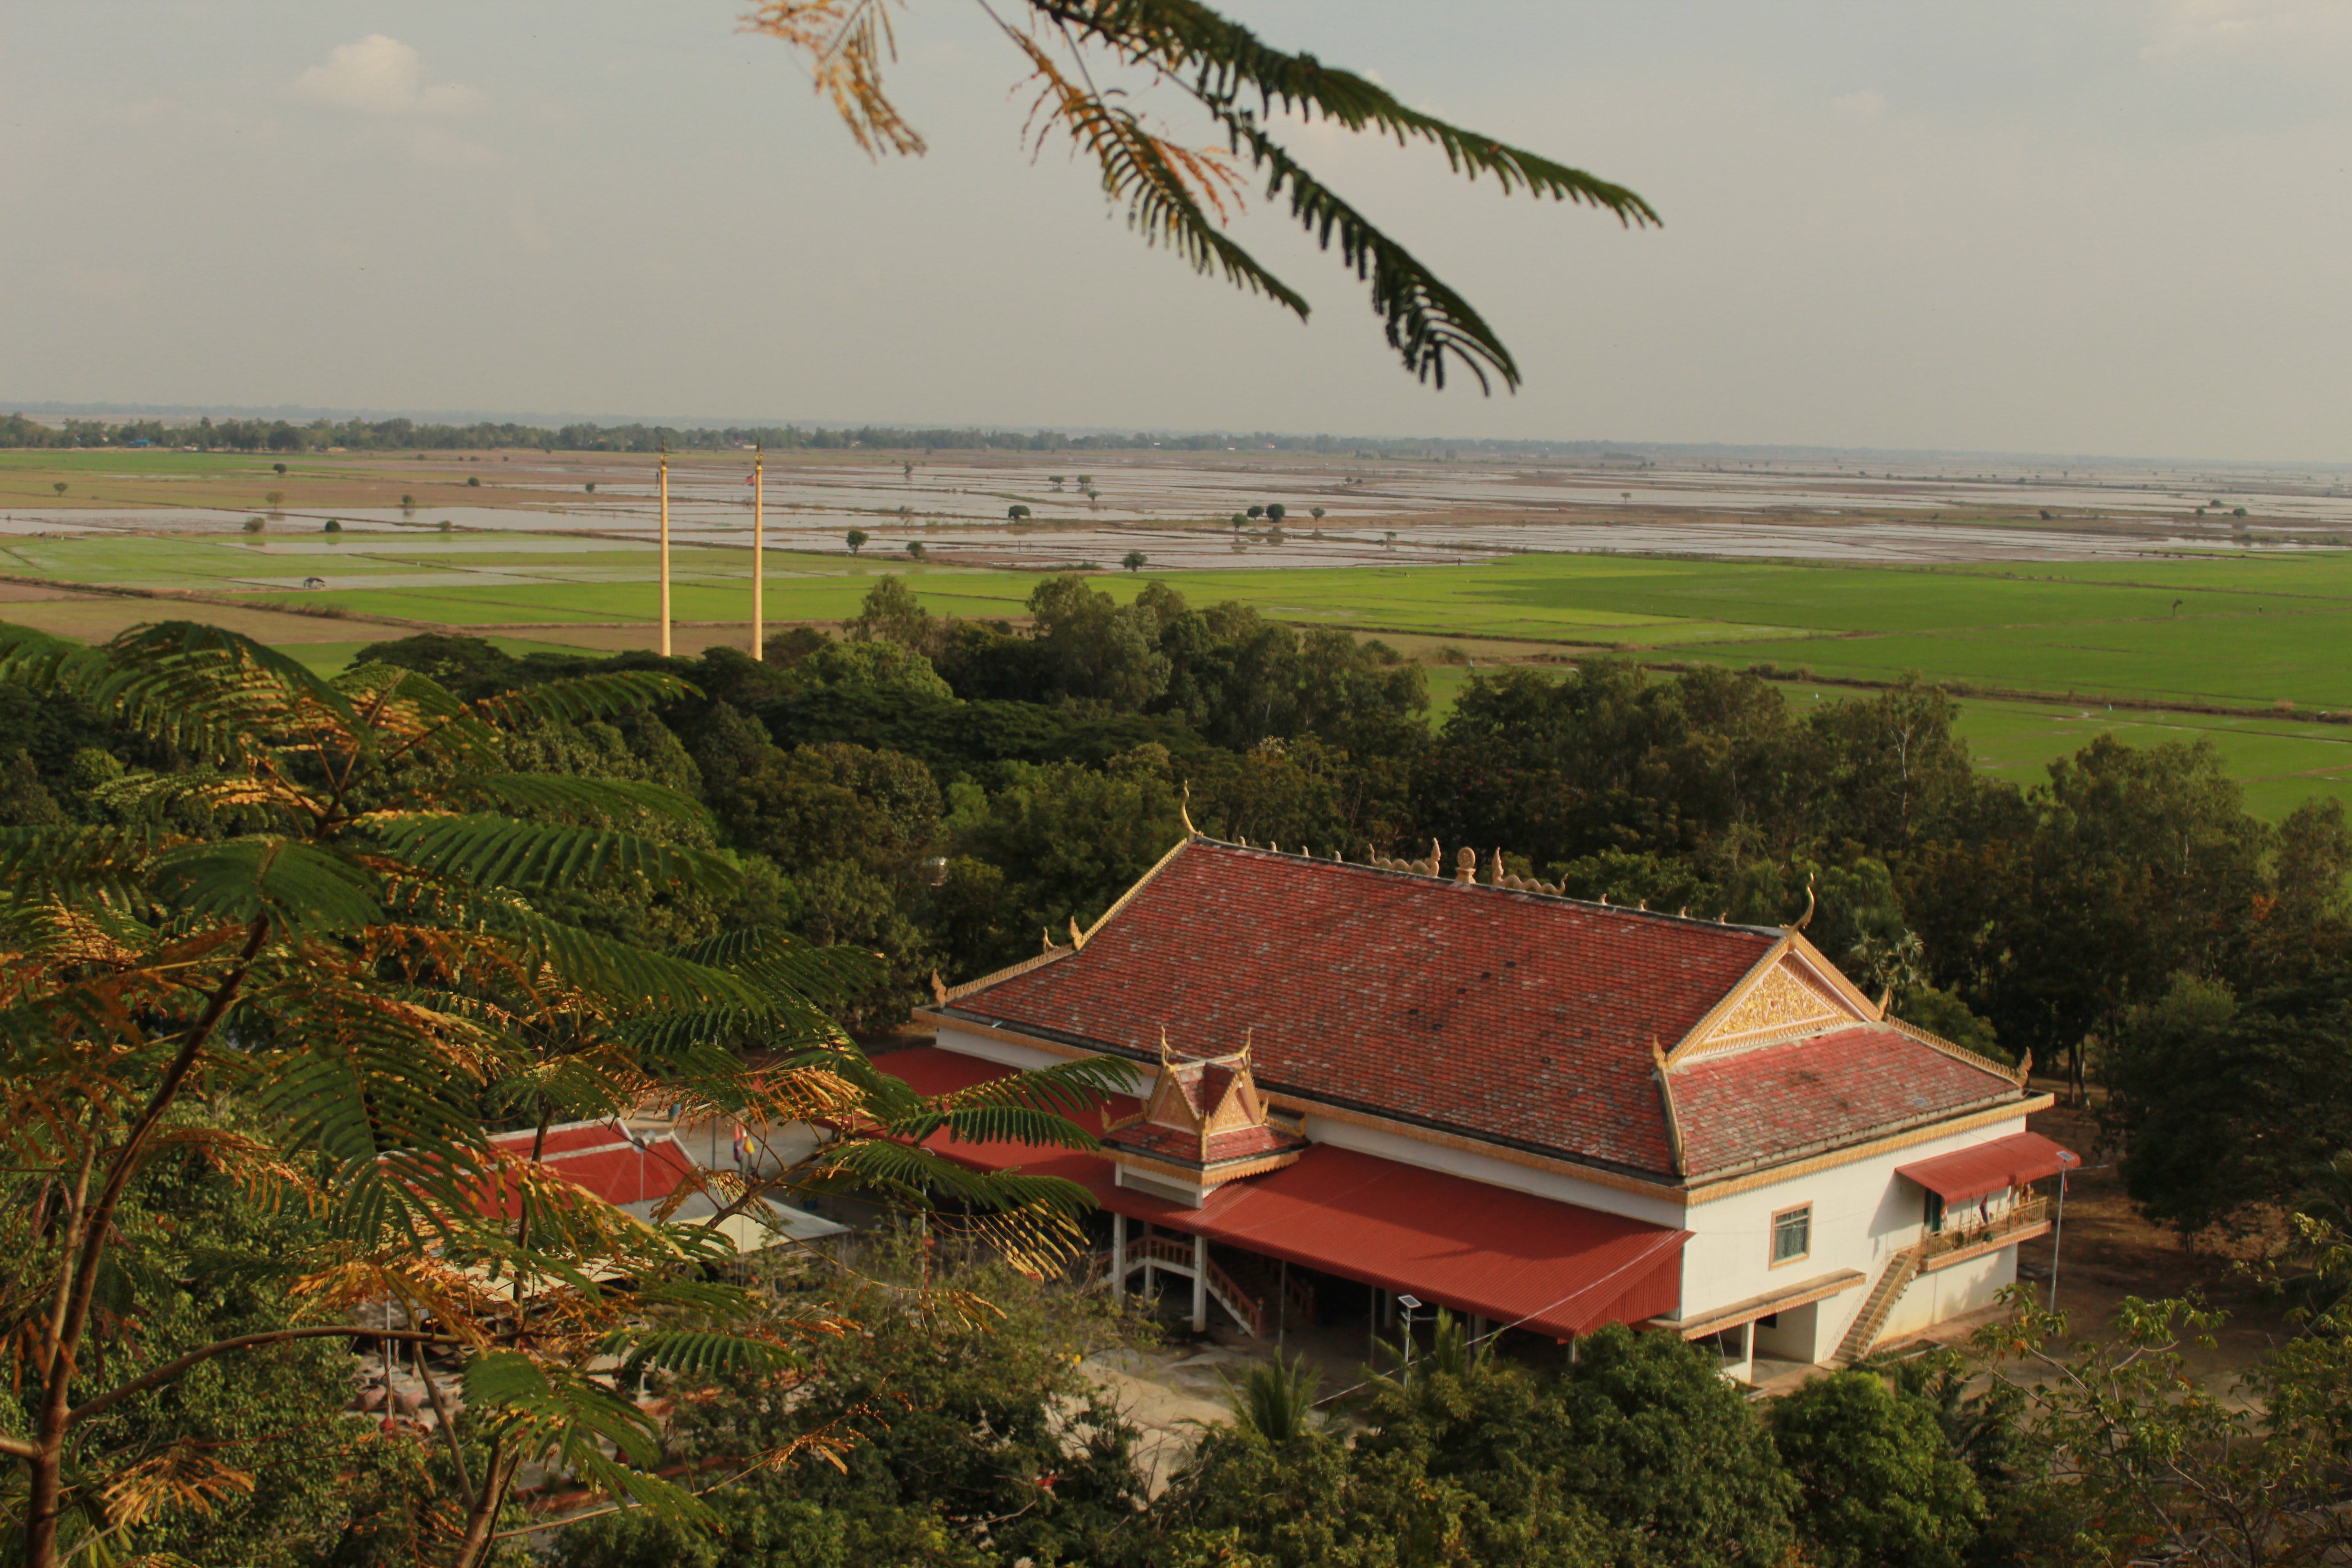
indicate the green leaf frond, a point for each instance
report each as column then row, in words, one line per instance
column 917, row 1176
column 1222, row 62
column 612, row 800
column 202, row 644
column 41, row 865
column 613, row 971
column 494, row 851
column 696, row 1352
column 997, row 1124
column 584, row 697
column 296, row 886
column 1425, row 322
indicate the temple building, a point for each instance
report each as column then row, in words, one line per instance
column 1377, row 1079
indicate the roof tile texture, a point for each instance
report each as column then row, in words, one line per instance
column 1744, row 1105
column 1487, row 1011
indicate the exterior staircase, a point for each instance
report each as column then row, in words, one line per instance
column 1900, row 1270
column 1243, row 1283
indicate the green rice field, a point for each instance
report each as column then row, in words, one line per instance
column 2236, row 631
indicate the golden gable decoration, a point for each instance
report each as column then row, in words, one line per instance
column 1203, row 1124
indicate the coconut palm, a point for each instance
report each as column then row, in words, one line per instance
column 1181, row 195
column 338, row 913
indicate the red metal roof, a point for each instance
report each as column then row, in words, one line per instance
column 597, row 1157
column 1755, row 1105
column 929, row 1071
column 1558, row 1268
column 1994, row 1167
column 1499, row 1014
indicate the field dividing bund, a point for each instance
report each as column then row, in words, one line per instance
column 2044, row 647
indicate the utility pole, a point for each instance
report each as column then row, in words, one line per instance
column 758, row 538
column 665, row 549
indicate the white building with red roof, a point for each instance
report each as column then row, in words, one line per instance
column 1533, row 1109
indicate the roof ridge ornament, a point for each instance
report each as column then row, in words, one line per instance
column 1184, row 810
column 1807, row 918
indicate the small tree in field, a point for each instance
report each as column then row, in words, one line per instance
column 915, row 550
column 1055, row 481
column 256, row 524
column 59, row 487
column 857, row 538
column 334, row 525
column 1256, row 512
column 408, row 503
column 1240, row 523
column 590, row 487
column 1016, row 513
column 280, row 468
column 1133, row 560
column 275, row 498
column 1276, row 512
column 1316, row 513
column 1391, row 539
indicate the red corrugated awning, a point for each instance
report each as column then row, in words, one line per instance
column 1557, row 1267
column 1994, row 1167
column 929, row 1071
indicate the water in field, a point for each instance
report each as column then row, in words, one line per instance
column 1176, row 509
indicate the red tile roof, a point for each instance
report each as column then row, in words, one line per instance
column 1505, row 1015
column 1754, row 1105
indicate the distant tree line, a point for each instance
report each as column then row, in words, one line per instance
column 408, row 435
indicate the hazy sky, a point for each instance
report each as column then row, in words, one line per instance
column 2054, row 226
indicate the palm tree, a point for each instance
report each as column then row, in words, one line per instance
column 329, row 914
column 1179, row 196
column 1277, row 1402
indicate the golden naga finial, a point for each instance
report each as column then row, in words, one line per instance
column 1184, row 810
column 1657, row 1053
column 1077, row 937
column 1885, row 1000
column 1047, row 931
column 1167, row 1053
column 1807, row 918
column 1248, row 1035
column 938, row 989
column 2025, row 1067
column 1495, row 872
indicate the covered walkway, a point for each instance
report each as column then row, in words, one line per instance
column 1482, row 1251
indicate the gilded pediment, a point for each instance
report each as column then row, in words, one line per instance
column 1781, row 999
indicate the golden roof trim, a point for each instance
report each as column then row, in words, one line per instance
column 2008, row 1070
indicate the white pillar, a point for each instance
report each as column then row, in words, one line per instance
column 1748, row 1352
column 1200, row 1284
column 1118, row 1258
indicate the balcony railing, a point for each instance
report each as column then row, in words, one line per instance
column 2017, row 1217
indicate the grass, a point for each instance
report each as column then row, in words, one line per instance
column 2236, row 631
column 2280, row 763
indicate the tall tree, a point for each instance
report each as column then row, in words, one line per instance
column 352, row 942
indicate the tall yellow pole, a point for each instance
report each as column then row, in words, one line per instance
column 758, row 539
column 665, row 551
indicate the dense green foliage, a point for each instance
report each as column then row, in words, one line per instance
column 970, row 1436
